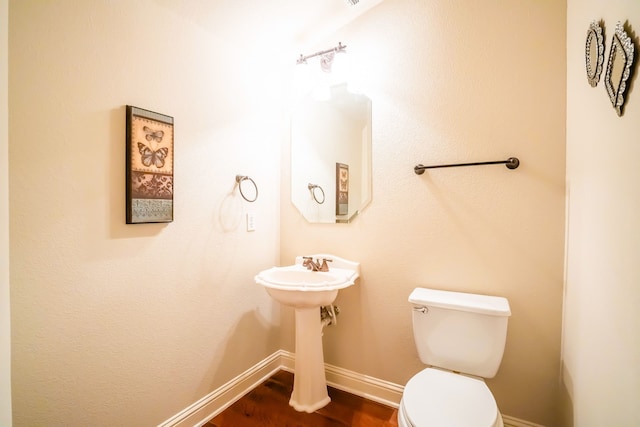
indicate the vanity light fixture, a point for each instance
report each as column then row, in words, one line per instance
column 318, row 79
column 326, row 57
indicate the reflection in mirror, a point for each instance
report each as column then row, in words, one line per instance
column 331, row 148
column 317, row 193
column 594, row 53
column 619, row 67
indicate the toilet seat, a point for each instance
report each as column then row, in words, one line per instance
column 439, row 398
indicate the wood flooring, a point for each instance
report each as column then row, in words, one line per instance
column 268, row 406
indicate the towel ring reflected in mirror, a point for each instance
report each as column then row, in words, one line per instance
column 594, row 53
column 239, row 180
column 619, row 68
column 314, row 194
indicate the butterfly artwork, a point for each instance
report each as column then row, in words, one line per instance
column 149, row 166
column 150, row 157
column 153, row 135
column 344, row 179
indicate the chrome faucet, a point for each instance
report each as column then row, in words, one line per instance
column 315, row 265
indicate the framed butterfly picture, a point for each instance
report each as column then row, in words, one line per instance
column 149, row 163
column 342, row 189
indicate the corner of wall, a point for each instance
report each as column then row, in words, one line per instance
column 5, row 328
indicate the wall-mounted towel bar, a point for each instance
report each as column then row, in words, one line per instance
column 511, row 163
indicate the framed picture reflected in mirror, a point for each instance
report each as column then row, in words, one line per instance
column 342, row 189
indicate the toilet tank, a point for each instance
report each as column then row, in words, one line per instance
column 459, row 331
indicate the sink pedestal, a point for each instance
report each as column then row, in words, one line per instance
column 309, row 381
column 306, row 291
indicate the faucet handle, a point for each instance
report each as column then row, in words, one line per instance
column 324, row 266
column 307, row 262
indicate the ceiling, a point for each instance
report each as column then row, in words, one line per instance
column 258, row 23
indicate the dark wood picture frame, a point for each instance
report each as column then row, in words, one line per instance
column 342, row 189
column 149, row 166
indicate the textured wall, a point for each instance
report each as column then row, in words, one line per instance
column 601, row 344
column 455, row 81
column 118, row 324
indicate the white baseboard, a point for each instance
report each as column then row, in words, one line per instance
column 365, row 386
column 385, row 392
column 352, row 382
column 220, row 399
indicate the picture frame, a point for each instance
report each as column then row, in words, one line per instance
column 342, row 189
column 149, row 166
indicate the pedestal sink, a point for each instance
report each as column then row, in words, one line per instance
column 306, row 291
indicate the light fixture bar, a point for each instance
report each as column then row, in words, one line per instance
column 339, row 48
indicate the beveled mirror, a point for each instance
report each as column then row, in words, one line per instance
column 331, row 156
column 594, row 53
column 619, row 65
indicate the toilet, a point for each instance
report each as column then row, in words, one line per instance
column 461, row 338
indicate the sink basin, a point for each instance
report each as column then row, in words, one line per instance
column 299, row 287
column 297, row 277
column 307, row 291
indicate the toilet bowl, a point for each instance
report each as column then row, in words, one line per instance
column 461, row 338
column 436, row 398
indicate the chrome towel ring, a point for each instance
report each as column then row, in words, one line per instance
column 312, row 189
column 239, row 180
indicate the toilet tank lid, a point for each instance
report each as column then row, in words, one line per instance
column 485, row 304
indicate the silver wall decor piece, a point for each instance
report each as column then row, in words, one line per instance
column 619, row 69
column 594, row 53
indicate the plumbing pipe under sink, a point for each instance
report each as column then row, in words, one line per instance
column 329, row 315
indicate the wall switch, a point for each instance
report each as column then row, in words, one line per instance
column 251, row 222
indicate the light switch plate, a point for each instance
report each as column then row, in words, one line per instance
column 251, row 222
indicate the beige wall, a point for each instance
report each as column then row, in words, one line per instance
column 601, row 342
column 5, row 329
column 118, row 324
column 455, row 81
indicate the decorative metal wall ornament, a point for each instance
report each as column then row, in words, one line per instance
column 619, row 69
column 149, row 166
column 594, row 53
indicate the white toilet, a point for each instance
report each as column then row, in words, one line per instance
column 461, row 337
